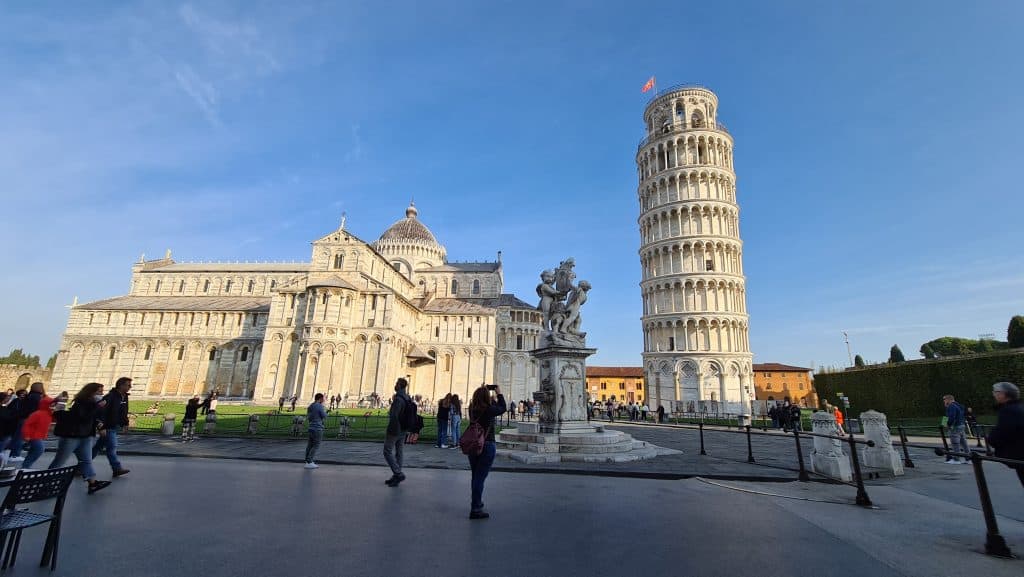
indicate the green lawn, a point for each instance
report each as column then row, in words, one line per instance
column 233, row 421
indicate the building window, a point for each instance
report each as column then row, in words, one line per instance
column 213, row 354
column 149, row 351
column 671, row 343
column 324, row 301
column 273, row 284
column 112, row 351
column 639, row 386
column 447, row 362
column 157, row 285
column 622, row 386
column 227, row 286
column 455, row 286
column 519, row 342
column 252, row 284
column 469, row 333
column 476, row 287
column 181, row 286
column 90, row 319
column 373, row 303
column 181, row 353
column 206, row 286
column 245, row 354
column 437, row 332
column 709, row 265
column 339, row 261
column 604, row 386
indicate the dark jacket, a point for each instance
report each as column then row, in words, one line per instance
column 442, row 412
column 115, row 414
column 192, row 410
column 486, row 418
column 78, row 421
column 954, row 415
column 28, row 405
column 1007, row 437
column 8, row 420
column 398, row 404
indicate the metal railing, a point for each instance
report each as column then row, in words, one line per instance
column 995, row 544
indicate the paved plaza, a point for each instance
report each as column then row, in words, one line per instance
column 249, row 507
column 187, row 516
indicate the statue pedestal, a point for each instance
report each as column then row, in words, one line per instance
column 827, row 457
column 883, row 455
column 562, row 432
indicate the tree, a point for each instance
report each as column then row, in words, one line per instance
column 1015, row 332
column 18, row 357
column 51, row 362
column 858, row 361
column 896, row 355
column 927, row 351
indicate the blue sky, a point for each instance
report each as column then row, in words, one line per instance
column 875, row 147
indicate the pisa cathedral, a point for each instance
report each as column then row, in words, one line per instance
column 349, row 322
column 696, row 351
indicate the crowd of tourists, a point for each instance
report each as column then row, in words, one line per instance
column 84, row 426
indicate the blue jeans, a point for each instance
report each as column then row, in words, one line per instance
column 481, row 466
column 315, row 437
column 456, row 433
column 108, row 440
column 35, row 450
column 81, row 447
column 442, row 432
column 16, row 441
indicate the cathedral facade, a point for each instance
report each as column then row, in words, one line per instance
column 349, row 322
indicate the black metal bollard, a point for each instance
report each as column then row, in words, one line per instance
column 945, row 444
column 995, row 545
column 862, row 495
column 906, row 452
column 702, row 452
column 800, row 457
column 750, row 448
column 978, row 435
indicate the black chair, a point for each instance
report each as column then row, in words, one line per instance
column 31, row 487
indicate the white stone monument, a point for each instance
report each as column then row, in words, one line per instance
column 562, row 431
column 883, row 455
column 827, row 457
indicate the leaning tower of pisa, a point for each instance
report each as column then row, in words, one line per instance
column 696, row 353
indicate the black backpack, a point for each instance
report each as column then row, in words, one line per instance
column 408, row 418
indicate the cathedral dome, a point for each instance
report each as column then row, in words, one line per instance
column 409, row 230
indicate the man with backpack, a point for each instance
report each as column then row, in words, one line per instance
column 401, row 419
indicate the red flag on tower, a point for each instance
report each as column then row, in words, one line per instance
column 649, row 85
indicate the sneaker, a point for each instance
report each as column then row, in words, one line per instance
column 444, row 446
column 311, row 466
column 394, row 481
column 97, row 485
column 120, row 472
column 479, row 514
column 950, row 461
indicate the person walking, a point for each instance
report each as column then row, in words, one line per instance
column 840, row 420
column 315, row 416
column 956, row 424
column 972, row 423
column 205, row 406
column 295, row 399
column 484, row 410
column 455, row 420
column 661, row 414
column 796, row 418
column 280, row 404
column 36, row 429
column 1007, row 437
column 188, row 423
column 394, row 439
column 214, row 400
column 75, row 430
column 113, row 417
column 443, row 409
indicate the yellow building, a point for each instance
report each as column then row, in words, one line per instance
column 776, row 382
column 619, row 383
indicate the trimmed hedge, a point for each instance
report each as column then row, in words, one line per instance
column 915, row 388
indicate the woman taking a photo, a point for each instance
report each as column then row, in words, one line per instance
column 483, row 409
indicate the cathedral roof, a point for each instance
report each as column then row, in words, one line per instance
column 409, row 229
column 507, row 300
column 463, row 267
column 238, row 267
column 159, row 303
column 455, row 306
column 332, row 282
